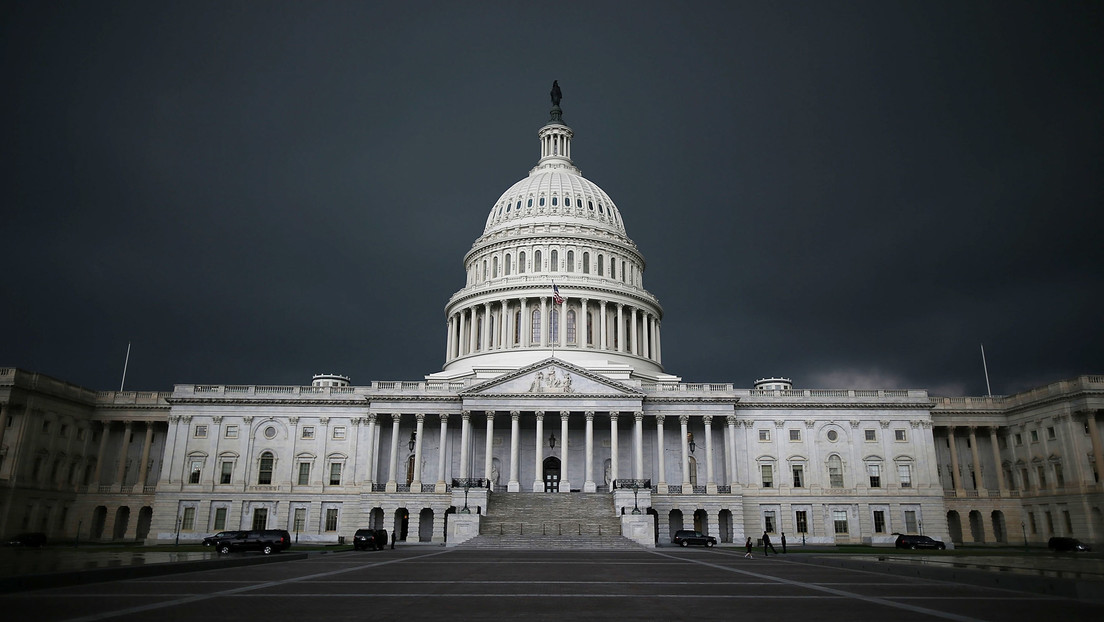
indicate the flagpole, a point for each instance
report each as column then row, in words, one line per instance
column 985, row 367
column 553, row 314
column 125, row 362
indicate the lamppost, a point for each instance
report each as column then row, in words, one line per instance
column 413, row 438
column 690, row 440
column 177, row 531
column 466, row 510
column 1023, row 528
column 636, row 506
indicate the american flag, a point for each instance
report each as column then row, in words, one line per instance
column 556, row 297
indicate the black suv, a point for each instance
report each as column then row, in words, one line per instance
column 918, row 542
column 369, row 539
column 1067, row 544
column 685, row 537
column 266, row 541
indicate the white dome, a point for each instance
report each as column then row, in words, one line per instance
column 559, row 194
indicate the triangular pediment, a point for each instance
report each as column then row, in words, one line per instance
column 553, row 377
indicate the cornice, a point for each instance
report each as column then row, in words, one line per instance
column 646, row 297
column 837, row 405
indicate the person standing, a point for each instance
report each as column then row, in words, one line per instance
column 393, row 537
column 783, row 541
column 767, row 543
column 748, row 546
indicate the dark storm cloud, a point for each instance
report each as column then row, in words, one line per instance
column 853, row 194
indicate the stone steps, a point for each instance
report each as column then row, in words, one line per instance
column 550, row 543
column 551, row 520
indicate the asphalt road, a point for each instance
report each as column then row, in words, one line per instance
column 428, row 582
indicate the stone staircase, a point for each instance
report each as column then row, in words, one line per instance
column 528, row 520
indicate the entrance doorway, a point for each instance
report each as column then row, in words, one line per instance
column 551, row 474
column 260, row 518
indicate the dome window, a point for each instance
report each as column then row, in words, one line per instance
column 536, row 261
column 506, row 264
column 542, row 201
column 518, row 204
column 590, row 204
column 601, row 267
column 507, row 208
column 570, row 261
column 600, row 210
column 578, row 203
column 586, row 263
column 530, row 203
column 554, row 260
column 553, row 201
column 521, row 262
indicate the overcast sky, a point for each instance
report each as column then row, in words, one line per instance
column 851, row 194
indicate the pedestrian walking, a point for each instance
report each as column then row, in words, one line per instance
column 393, row 539
column 783, row 541
column 749, row 546
column 767, row 543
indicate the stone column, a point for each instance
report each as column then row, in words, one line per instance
column 645, row 319
column 143, row 466
column 710, row 483
column 638, row 445
column 465, row 440
column 438, row 528
column 581, row 338
column 448, row 340
column 486, row 341
column 120, row 469
column 687, row 487
column 538, row 460
column 661, row 468
column 588, row 483
column 633, row 343
column 441, row 453
column 1001, row 484
column 980, row 483
column 731, row 421
column 416, row 483
column 619, row 330
column 1097, row 448
column 546, row 323
column 565, row 481
column 392, row 483
column 658, row 344
column 526, row 330
column 602, row 331
column 515, row 435
column 4, row 410
column 955, row 480
column 102, row 455
column 462, row 337
column 613, row 448
column 488, row 446
column 370, row 468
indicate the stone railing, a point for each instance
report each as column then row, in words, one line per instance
column 471, row 482
column 836, row 393
column 1000, row 402
column 379, row 487
column 629, row 484
column 312, row 392
column 683, row 387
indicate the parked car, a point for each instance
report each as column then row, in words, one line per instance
column 28, row 539
column 368, row 540
column 905, row 541
column 685, row 537
column 222, row 535
column 1067, row 544
column 266, row 541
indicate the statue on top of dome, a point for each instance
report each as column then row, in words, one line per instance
column 556, row 94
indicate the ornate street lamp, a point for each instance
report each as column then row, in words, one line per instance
column 466, row 510
column 636, row 505
column 690, row 439
column 413, row 439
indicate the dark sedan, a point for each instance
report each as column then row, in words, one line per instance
column 686, row 537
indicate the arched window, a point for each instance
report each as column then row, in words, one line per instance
column 542, row 201
column 570, row 261
column 693, row 470
column 264, row 470
column 494, row 267
column 484, row 269
column 521, row 262
column 613, row 268
column 534, row 326
column 530, row 203
column 590, row 328
column 571, row 326
column 536, row 261
column 835, row 471
column 622, row 272
column 579, row 203
column 553, row 260
column 601, row 266
column 586, row 263
column 518, row 206
column 506, row 265
column 554, row 201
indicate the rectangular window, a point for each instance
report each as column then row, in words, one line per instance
column 339, row 433
column 64, row 431
column 220, row 519
column 45, row 426
column 1019, row 439
column 904, row 473
column 197, row 467
column 1050, row 433
column 899, row 435
column 768, row 475
column 875, row 472
column 802, row 521
column 187, row 522
column 879, row 521
column 227, row 472
column 1031, row 523
column 1049, row 522
column 835, row 475
column 1034, row 436
column 300, row 520
column 201, row 431
column 1042, row 477
column 1002, row 442
column 1026, row 479
column 1069, row 522
column 798, row 476
column 910, row 521
column 331, row 519
column 768, row 522
column 1059, row 476
column 839, row 520
column 231, row 431
column 764, row 435
column 304, row 474
column 795, row 435
column 308, row 431
column 335, row 473
column 871, row 435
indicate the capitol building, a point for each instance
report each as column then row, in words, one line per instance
column 552, row 415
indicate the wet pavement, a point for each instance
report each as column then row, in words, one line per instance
column 15, row 561
column 1063, row 566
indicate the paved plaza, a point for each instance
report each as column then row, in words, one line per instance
column 430, row 582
